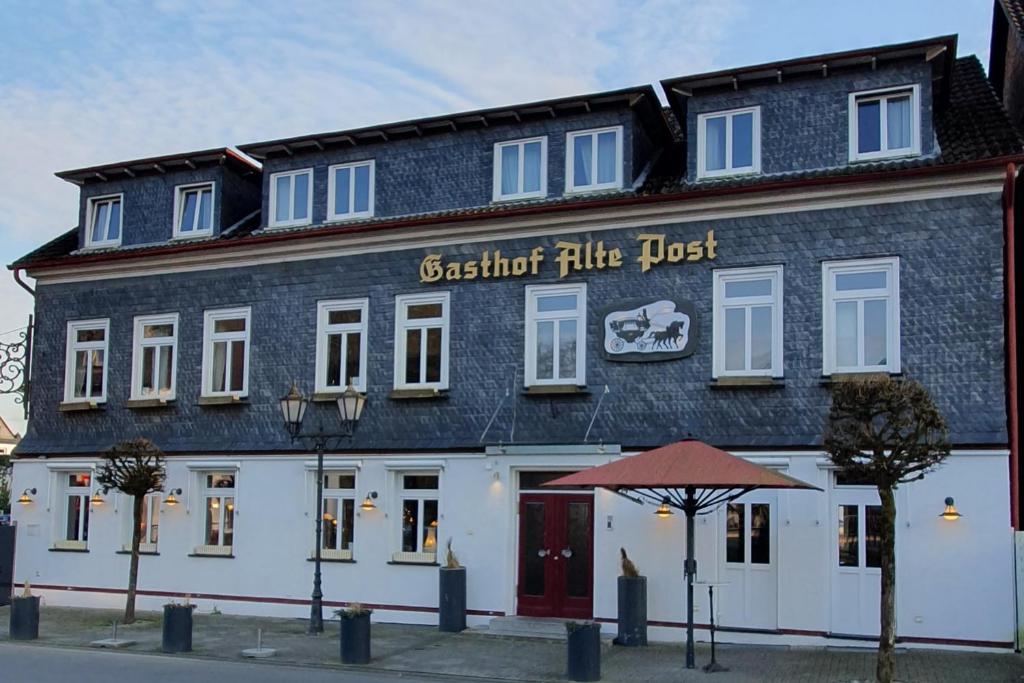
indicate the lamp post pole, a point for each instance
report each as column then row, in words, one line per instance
column 316, row 605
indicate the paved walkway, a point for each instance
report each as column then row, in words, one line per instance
column 422, row 649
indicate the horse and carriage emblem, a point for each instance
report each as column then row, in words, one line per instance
column 646, row 330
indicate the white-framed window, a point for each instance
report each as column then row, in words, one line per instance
column 729, row 142
column 350, row 190
column 149, row 528
column 103, row 221
column 748, row 533
column 747, row 322
column 521, row 168
column 593, row 159
column 885, row 123
column 291, row 198
column 76, row 490
column 419, row 518
column 155, row 356
column 556, row 325
column 193, row 210
column 218, row 512
column 341, row 333
column 85, row 376
column 226, row 335
column 421, row 341
column 861, row 315
column 338, row 532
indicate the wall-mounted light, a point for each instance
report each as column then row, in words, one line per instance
column 664, row 510
column 950, row 513
column 96, row 499
column 25, row 497
column 171, row 500
column 368, row 503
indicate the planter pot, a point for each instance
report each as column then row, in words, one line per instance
column 452, row 600
column 584, row 651
column 25, row 618
column 355, row 639
column 177, row 635
column 632, row 611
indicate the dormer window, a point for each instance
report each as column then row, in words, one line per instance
column 350, row 191
column 193, row 210
column 729, row 142
column 103, row 216
column 885, row 123
column 291, row 198
column 521, row 169
column 593, row 160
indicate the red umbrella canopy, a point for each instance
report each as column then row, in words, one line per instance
column 682, row 465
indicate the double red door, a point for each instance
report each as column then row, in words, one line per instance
column 556, row 555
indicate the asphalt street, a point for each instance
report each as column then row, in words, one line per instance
column 32, row 664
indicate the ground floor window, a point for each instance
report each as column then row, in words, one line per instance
column 420, row 521
column 76, row 493
column 339, row 514
column 748, row 533
column 860, row 536
column 149, row 525
column 218, row 501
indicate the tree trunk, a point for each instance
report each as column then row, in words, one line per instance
column 887, row 636
column 138, row 503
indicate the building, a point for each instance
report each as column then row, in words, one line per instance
column 8, row 438
column 535, row 289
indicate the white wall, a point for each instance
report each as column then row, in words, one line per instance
column 955, row 578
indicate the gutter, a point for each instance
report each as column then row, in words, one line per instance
column 634, row 200
column 1013, row 418
column 22, row 283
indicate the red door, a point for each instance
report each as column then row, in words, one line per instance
column 556, row 555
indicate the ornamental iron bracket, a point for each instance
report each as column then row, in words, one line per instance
column 16, row 367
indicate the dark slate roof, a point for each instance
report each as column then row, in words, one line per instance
column 972, row 126
column 159, row 165
column 1015, row 12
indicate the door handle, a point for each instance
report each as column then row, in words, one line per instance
column 544, row 552
column 567, row 553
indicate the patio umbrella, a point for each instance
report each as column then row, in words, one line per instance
column 691, row 476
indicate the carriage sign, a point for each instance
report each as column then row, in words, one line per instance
column 650, row 329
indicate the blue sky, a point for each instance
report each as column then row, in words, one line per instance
column 84, row 82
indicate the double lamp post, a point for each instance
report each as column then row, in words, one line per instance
column 293, row 408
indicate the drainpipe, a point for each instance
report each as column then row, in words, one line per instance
column 1011, row 344
column 22, row 283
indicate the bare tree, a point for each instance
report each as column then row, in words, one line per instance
column 5, row 484
column 135, row 468
column 887, row 431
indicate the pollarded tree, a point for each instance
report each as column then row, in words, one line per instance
column 887, row 431
column 135, row 468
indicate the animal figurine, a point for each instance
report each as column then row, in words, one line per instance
column 628, row 568
column 27, row 593
column 451, row 561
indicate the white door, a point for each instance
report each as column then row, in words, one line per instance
column 748, row 562
column 855, row 559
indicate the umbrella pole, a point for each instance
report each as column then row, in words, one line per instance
column 690, row 569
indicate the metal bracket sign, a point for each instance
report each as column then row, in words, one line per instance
column 15, row 367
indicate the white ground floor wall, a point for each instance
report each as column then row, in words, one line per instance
column 955, row 581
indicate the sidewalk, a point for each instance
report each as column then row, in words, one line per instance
column 422, row 649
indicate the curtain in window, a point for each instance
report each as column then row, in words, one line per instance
column 582, row 173
column 510, row 170
column 219, row 361
column 899, row 122
column 204, row 210
column 164, row 377
column 531, row 167
column 606, row 157
column 714, row 144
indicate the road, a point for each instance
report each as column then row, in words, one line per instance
column 33, row 664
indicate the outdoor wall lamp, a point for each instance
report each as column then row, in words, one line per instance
column 950, row 513
column 664, row 510
column 171, row 500
column 96, row 499
column 368, row 503
column 25, row 497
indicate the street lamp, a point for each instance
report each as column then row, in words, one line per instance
column 293, row 409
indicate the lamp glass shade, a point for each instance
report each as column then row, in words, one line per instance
column 24, row 499
column 96, row 499
column 171, row 500
column 368, row 503
column 293, row 408
column 664, row 510
column 350, row 405
column 950, row 513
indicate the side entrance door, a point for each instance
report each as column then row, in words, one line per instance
column 749, row 556
column 856, row 561
column 556, row 555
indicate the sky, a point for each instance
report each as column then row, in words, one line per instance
column 87, row 82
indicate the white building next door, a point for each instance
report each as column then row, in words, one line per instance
column 748, row 562
column 855, row 559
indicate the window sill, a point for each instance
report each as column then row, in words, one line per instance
column 234, row 399
column 195, row 236
column 68, row 550
column 335, row 560
column 854, row 161
column 747, row 382
column 554, row 389
column 214, row 555
column 839, row 377
column 331, row 396
column 141, row 552
column 726, row 175
column 415, row 564
column 281, row 226
column 583, row 191
column 404, row 394
column 144, row 403
column 518, row 198
column 73, row 406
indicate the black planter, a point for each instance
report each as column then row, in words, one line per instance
column 177, row 628
column 355, row 639
column 25, row 618
column 632, row 611
column 584, row 651
column 452, row 600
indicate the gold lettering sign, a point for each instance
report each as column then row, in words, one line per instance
column 572, row 257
